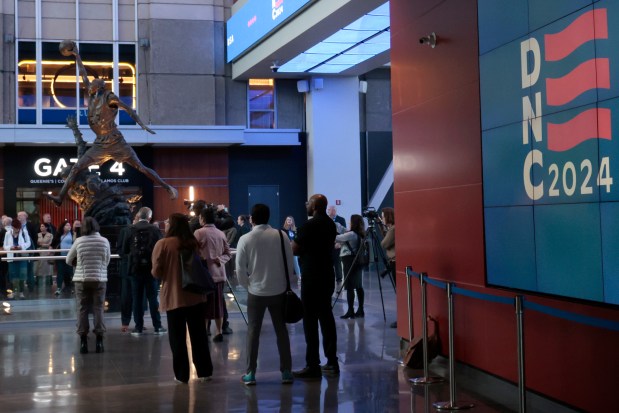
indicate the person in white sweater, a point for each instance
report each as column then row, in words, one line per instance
column 260, row 265
column 90, row 254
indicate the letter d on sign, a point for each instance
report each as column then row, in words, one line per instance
column 532, row 46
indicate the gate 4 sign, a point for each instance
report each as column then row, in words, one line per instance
column 549, row 73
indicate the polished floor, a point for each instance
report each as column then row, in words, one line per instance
column 42, row 370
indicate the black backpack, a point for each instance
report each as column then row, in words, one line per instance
column 142, row 243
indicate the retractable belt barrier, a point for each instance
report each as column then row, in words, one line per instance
column 520, row 304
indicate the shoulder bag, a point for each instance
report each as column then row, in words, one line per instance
column 196, row 278
column 293, row 307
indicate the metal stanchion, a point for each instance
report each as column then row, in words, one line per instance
column 409, row 302
column 522, row 389
column 426, row 379
column 452, row 404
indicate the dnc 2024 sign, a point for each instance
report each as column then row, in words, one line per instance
column 549, row 73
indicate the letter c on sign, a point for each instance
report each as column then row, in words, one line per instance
column 533, row 192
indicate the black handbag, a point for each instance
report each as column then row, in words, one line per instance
column 196, row 278
column 293, row 307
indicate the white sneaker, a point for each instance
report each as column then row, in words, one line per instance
column 204, row 379
column 21, row 295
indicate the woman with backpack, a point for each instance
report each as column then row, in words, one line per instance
column 185, row 310
column 351, row 241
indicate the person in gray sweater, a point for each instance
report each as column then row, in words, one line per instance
column 90, row 254
column 260, row 265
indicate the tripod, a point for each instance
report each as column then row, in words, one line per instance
column 377, row 253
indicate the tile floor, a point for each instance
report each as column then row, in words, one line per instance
column 42, row 370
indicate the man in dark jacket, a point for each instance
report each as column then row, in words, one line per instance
column 139, row 246
column 314, row 246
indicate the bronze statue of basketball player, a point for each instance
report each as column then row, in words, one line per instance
column 109, row 144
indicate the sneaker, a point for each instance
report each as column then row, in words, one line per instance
column 160, row 330
column 58, row 291
column 218, row 338
column 204, row 379
column 226, row 330
column 308, row 373
column 287, row 377
column 136, row 333
column 177, row 381
column 330, row 369
column 249, row 379
column 21, row 295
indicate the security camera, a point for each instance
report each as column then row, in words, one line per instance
column 274, row 68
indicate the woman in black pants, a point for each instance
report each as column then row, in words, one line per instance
column 185, row 310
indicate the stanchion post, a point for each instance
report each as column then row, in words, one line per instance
column 522, row 389
column 452, row 404
column 410, row 307
column 426, row 379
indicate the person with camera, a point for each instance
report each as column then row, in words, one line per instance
column 388, row 242
column 351, row 242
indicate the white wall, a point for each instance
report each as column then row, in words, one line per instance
column 333, row 164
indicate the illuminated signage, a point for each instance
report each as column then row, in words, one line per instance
column 254, row 21
column 550, row 144
column 46, row 167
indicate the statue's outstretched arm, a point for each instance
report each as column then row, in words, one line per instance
column 114, row 100
column 72, row 49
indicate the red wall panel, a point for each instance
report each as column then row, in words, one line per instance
column 206, row 169
column 439, row 213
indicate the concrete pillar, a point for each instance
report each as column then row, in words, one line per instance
column 333, row 142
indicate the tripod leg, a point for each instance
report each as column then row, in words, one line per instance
column 235, row 299
column 337, row 297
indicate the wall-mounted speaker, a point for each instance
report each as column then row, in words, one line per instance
column 363, row 86
column 302, row 86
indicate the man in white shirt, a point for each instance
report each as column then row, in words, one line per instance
column 260, row 264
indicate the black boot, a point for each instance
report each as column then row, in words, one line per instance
column 84, row 344
column 361, row 298
column 99, row 344
column 349, row 314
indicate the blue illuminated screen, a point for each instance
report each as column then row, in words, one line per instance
column 549, row 83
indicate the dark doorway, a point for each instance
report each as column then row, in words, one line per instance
column 268, row 195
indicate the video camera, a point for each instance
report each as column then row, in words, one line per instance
column 370, row 213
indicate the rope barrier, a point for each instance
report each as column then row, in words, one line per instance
column 483, row 296
column 577, row 318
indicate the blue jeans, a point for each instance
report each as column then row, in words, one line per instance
column 139, row 285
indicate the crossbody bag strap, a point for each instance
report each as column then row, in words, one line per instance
column 281, row 239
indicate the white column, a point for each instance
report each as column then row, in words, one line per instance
column 333, row 142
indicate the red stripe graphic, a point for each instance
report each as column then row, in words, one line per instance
column 560, row 45
column 590, row 124
column 594, row 73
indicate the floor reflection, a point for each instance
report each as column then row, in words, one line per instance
column 41, row 368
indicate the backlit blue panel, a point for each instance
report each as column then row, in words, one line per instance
column 255, row 20
column 550, row 145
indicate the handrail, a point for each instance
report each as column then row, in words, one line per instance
column 45, row 258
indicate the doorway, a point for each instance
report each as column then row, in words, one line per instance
column 268, row 195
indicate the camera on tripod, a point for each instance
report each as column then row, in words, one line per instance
column 370, row 213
